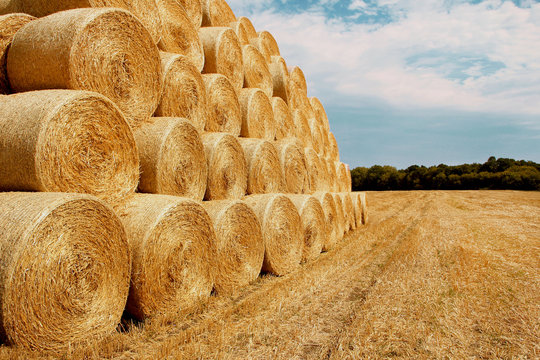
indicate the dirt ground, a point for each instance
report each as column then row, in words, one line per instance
column 434, row 275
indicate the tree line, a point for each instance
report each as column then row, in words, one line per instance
column 494, row 174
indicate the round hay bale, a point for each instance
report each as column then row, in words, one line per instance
column 173, row 161
column 285, row 127
column 66, row 141
column 282, row 232
column 317, row 171
column 240, row 245
column 342, row 177
column 179, row 35
column 329, row 207
column 365, row 216
column 223, row 54
column 103, row 50
column 174, row 247
column 65, row 265
column 296, row 75
column 264, row 169
column 333, row 151
column 227, row 167
column 357, row 205
column 240, row 31
column 332, row 175
column 299, row 101
column 184, row 93
column 340, row 217
column 316, row 136
column 325, row 142
column 224, row 112
column 280, row 77
column 293, row 166
column 146, row 11
column 268, row 43
column 313, row 223
column 320, row 113
column 194, row 11
column 248, row 27
column 217, row 13
column 303, row 132
column 256, row 71
column 257, row 115
column 348, row 209
column 9, row 25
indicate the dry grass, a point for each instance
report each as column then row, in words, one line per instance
column 433, row 275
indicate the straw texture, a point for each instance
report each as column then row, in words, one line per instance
column 313, row 224
column 146, row 11
column 360, row 208
column 280, row 77
column 282, row 232
column 293, row 166
column 299, row 101
column 248, row 27
column 227, row 167
column 303, row 132
column 9, row 25
column 340, row 216
column 284, row 121
column 268, row 43
column 173, row 246
column 223, row 54
column 66, row 141
column 241, row 32
column 348, row 210
column 179, row 35
column 172, row 157
column 342, row 177
column 320, row 113
column 333, row 151
column 217, row 13
column 317, row 170
column 257, row 115
column 184, row 93
column 329, row 208
column 332, row 174
column 239, row 242
column 224, row 113
column 194, row 11
column 104, row 50
column 64, row 269
column 264, row 169
column 316, row 136
column 296, row 76
column 256, row 71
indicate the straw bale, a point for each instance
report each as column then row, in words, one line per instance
column 240, row 31
column 282, row 232
column 248, row 27
column 303, row 132
column 179, row 35
column 194, row 11
column 268, row 43
column 332, row 175
column 174, row 246
column 224, row 113
column 64, row 269
column 329, row 207
column 318, row 173
column 298, row 100
column 223, row 54
column 349, row 209
column 184, row 93
column 316, row 136
column 217, row 13
column 172, row 156
column 357, row 205
column 227, row 167
column 297, row 77
column 256, row 71
column 146, row 11
column 340, row 217
column 342, row 177
column 257, row 114
column 285, row 127
column 103, row 50
column 313, row 224
column 333, row 151
column 264, row 168
column 66, row 141
column 320, row 113
column 239, row 242
column 280, row 77
column 9, row 7
column 9, row 25
column 365, row 216
column 293, row 166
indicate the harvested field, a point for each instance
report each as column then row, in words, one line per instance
column 433, row 275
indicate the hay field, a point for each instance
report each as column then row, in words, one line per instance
column 434, row 275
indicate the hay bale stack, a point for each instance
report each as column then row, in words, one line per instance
column 330, row 214
column 224, row 113
column 9, row 25
column 313, row 223
column 282, row 232
column 174, row 247
column 179, row 35
column 66, row 141
column 296, row 76
column 280, row 77
column 318, row 173
column 103, row 50
column 264, row 169
column 146, row 11
column 320, row 113
column 293, row 166
column 172, row 156
column 217, row 13
column 285, row 127
column 333, row 151
column 298, row 100
column 227, row 167
column 194, row 11
column 348, row 210
column 342, row 177
column 223, row 54
column 340, row 222
column 302, row 130
column 239, row 242
column 184, row 92
column 256, row 71
column 65, row 266
column 257, row 115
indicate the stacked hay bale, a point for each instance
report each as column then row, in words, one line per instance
column 200, row 159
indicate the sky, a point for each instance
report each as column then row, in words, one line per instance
column 416, row 81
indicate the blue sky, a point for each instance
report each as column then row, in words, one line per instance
column 416, row 82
